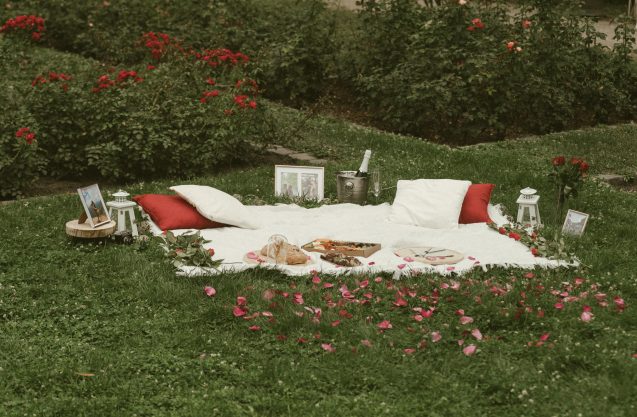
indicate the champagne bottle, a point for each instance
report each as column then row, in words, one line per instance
column 362, row 171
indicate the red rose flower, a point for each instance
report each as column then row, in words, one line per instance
column 30, row 137
column 535, row 252
column 502, row 231
column 515, row 236
column 211, row 251
column 583, row 167
column 558, row 161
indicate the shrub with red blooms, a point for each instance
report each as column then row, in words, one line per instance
column 221, row 56
column 24, row 23
column 104, row 82
column 21, row 160
column 177, row 116
column 158, row 44
column 53, row 77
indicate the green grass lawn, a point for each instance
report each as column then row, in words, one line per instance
column 154, row 344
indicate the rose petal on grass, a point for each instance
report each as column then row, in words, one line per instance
column 316, row 279
column 301, row 340
column 435, row 337
column 418, row 317
column 328, row 285
column 469, row 350
column 400, row 301
column 385, row 325
column 210, row 292
column 619, row 302
column 254, row 328
column 335, row 323
column 378, row 280
column 328, row 347
column 476, row 333
column 239, row 311
column 402, row 266
column 266, row 314
column 460, row 312
column 545, row 336
column 558, row 306
column 586, row 316
column 366, row 342
column 241, row 301
column 529, row 275
column 466, row 320
column 409, row 351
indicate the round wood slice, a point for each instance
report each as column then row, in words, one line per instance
column 430, row 255
column 85, row 231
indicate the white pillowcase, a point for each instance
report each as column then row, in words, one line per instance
column 216, row 205
column 434, row 204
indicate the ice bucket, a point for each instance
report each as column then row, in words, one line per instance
column 351, row 189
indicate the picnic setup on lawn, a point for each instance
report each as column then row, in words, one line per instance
column 433, row 225
column 318, row 207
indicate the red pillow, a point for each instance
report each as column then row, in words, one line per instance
column 476, row 201
column 173, row 212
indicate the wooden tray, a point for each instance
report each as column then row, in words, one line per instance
column 346, row 248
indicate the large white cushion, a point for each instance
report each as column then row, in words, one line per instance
column 216, row 205
column 435, row 204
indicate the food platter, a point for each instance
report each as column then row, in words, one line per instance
column 431, row 255
column 363, row 249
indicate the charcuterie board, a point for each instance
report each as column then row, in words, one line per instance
column 346, row 248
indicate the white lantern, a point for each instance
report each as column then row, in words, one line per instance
column 123, row 206
column 528, row 203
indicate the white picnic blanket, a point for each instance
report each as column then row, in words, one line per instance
column 482, row 246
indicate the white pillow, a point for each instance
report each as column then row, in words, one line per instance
column 435, row 204
column 216, row 205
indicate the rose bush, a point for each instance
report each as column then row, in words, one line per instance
column 190, row 112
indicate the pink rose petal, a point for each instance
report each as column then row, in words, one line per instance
column 586, row 316
column 409, row 351
column 408, row 259
column 476, row 333
column 254, row 328
column 385, row 325
column 328, row 347
column 252, row 255
column 210, row 292
column 545, row 336
column 366, row 342
column 418, row 317
column 402, row 266
column 469, row 350
column 241, row 301
column 239, row 311
column 466, row 320
column 435, row 337
column 266, row 314
column 316, row 279
column 558, row 306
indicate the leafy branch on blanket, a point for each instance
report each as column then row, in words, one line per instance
column 188, row 250
column 531, row 237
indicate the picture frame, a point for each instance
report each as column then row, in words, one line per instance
column 306, row 182
column 575, row 223
column 94, row 205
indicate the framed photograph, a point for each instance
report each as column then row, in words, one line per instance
column 94, row 205
column 299, row 181
column 575, row 223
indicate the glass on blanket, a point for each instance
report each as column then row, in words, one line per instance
column 277, row 249
column 375, row 182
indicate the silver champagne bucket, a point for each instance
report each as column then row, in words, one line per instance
column 351, row 189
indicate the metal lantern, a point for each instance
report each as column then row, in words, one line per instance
column 123, row 206
column 528, row 203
